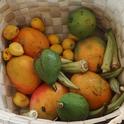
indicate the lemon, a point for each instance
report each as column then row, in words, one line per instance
column 68, row 54
column 20, row 100
column 53, row 39
column 38, row 23
column 10, row 32
column 6, row 55
column 57, row 48
column 16, row 49
column 68, row 43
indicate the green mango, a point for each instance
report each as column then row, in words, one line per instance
column 82, row 22
column 48, row 66
column 72, row 107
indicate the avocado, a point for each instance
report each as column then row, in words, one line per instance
column 82, row 22
column 48, row 66
column 72, row 107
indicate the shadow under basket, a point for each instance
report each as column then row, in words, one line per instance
column 109, row 13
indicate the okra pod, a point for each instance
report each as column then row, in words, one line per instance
column 113, row 106
column 75, row 67
column 115, row 97
column 115, row 86
column 112, row 74
column 98, row 112
column 107, row 60
column 115, row 59
column 66, row 82
column 63, row 60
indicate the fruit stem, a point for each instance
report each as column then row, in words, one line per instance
column 75, row 67
column 107, row 60
column 54, row 87
column 64, row 61
column 66, row 82
column 115, row 59
column 116, row 104
column 112, row 74
column 60, row 105
column 122, row 88
column 31, row 113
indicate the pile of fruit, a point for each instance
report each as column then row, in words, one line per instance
column 71, row 80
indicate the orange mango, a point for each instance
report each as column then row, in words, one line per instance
column 21, row 72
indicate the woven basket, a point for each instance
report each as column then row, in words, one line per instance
column 110, row 13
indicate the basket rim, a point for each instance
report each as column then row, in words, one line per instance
column 6, row 115
column 11, row 117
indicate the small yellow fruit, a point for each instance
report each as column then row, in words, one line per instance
column 70, row 36
column 21, row 100
column 68, row 54
column 10, row 32
column 57, row 48
column 68, row 43
column 37, row 23
column 6, row 54
column 16, row 49
column 54, row 39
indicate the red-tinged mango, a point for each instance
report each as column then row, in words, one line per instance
column 44, row 100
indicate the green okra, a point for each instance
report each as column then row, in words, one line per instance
column 98, row 112
column 115, row 59
column 66, row 82
column 107, row 60
column 75, row 67
column 115, row 97
column 115, row 105
column 112, row 74
column 64, row 61
column 115, row 86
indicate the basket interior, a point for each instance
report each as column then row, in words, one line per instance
column 55, row 15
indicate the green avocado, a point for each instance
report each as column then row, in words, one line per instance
column 48, row 66
column 82, row 22
column 73, row 107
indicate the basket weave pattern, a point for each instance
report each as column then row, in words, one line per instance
column 110, row 13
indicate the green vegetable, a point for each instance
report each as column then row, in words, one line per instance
column 66, row 82
column 75, row 67
column 113, row 106
column 107, row 60
column 97, row 113
column 48, row 66
column 64, row 61
column 114, row 84
column 115, row 97
column 82, row 22
column 112, row 74
column 115, row 59
column 72, row 107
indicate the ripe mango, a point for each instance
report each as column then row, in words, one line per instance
column 32, row 40
column 92, row 50
column 21, row 72
column 44, row 100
